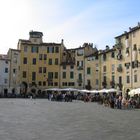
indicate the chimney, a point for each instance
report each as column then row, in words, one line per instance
column 62, row 41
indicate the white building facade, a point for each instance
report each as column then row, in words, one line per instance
column 4, row 76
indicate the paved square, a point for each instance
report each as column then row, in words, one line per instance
column 40, row 119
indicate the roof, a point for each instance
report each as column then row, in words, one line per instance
column 28, row 42
column 130, row 31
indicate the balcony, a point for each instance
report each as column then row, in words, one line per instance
column 135, row 64
column 80, row 68
column 119, row 56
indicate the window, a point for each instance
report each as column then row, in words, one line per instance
column 97, row 81
column 56, row 49
column 113, row 67
column 77, row 63
column 113, row 78
column 104, row 68
column 135, row 47
column 64, row 66
column 72, row 66
column 34, row 61
column 104, row 57
column 25, row 60
column 50, row 75
column 79, row 84
column 44, row 69
column 6, row 62
column 71, row 75
column 64, row 83
column 15, row 60
column 34, row 49
column 47, row 49
column 14, row 70
column 40, row 69
column 33, row 76
column 6, row 70
column 5, row 81
column 104, row 79
column 40, row 83
column 45, row 56
column 50, row 61
column 56, row 61
column 55, row 83
column 71, row 83
column 135, row 78
column 80, row 63
column 127, row 36
column 40, row 56
column 88, row 70
column 44, row 83
column 56, row 75
column 80, row 52
column 50, row 49
column 25, row 49
column 96, row 57
column 24, row 74
column 80, row 76
column 113, row 54
column 127, row 79
column 120, row 80
column 127, row 65
column 64, row 75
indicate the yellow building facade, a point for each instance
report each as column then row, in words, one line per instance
column 52, row 65
column 39, row 63
column 118, row 67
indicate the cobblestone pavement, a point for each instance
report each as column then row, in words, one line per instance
column 40, row 119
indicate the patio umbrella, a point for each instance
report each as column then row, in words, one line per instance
column 112, row 90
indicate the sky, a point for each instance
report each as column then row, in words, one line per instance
column 75, row 21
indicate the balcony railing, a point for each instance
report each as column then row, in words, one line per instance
column 80, row 68
column 135, row 64
column 119, row 56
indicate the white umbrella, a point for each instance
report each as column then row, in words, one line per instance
column 52, row 89
column 69, row 89
column 112, row 90
column 84, row 90
column 132, row 92
column 103, row 90
column 137, row 91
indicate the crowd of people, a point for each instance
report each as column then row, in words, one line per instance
column 111, row 100
column 114, row 101
column 66, row 97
